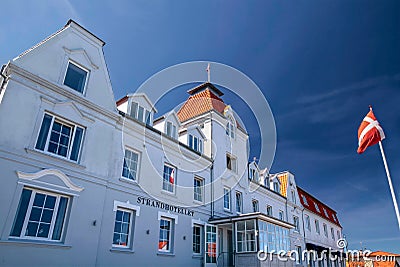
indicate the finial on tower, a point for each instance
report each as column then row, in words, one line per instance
column 370, row 107
column 208, row 72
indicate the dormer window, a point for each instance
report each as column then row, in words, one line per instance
column 304, row 200
column 195, row 143
column 253, row 175
column 140, row 113
column 316, row 207
column 277, row 187
column 170, row 129
column 75, row 77
column 230, row 128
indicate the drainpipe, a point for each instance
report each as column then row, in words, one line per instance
column 212, row 168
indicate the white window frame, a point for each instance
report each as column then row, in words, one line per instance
column 200, row 188
column 293, row 195
column 281, row 215
column 239, row 202
column 201, row 227
column 130, row 227
column 230, row 128
column 326, row 213
column 269, row 210
column 277, row 187
column 332, row 233
column 171, row 233
column 86, row 78
column 325, row 227
column 245, row 240
column 296, row 222
column 191, row 139
column 163, row 179
column 317, row 207
column 172, row 129
column 227, row 193
column 62, row 121
column 308, row 222
column 137, row 164
column 233, row 163
column 304, row 200
column 317, row 229
column 136, row 113
column 58, row 196
column 255, row 205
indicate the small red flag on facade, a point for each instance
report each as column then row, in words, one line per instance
column 171, row 177
column 369, row 132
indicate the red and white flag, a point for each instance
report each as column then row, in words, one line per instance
column 369, row 132
column 171, row 176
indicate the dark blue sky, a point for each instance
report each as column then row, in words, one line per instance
column 319, row 64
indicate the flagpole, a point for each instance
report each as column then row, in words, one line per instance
column 390, row 184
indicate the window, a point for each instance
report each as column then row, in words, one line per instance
column 40, row 215
column 293, row 194
column 308, row 224
column 299, row 255
column 326, row 213
column 255, row 205
column 296, row 223
column 230, row 163
column 246, row 236
column 281, row 215
column 316, row 207
column 75, row 78
column 269, row 210
column 325, row 230
column 273, row 237
column 266, row 181
column 338, row 234
column 198, row 189
column 317, row 227
column 230, row 128
column 332, row 233
column 277, row 187
column 227, row 198
column 211, row 244
column 140, row 113
column 239, row 202
column 130, row 167
column 195, row 143
column 253, row 175
column 122, row 228
column 304, row 200
column 171, row 129
column 59, row 137
column 169, row 179
column 164, row 240
column 197, row 233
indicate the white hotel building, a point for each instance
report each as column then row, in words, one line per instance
column 90, row 181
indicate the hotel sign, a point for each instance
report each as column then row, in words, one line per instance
column 161, row 205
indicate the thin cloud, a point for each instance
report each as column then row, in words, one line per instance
column 367, row 83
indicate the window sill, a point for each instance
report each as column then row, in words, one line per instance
column 168, row 254
column 54, row 157
column 168, row 193
column 36, row 243
column 197, row 256
column 122, row 250
column 129, row 181
column 228, row 211
column 197, row 202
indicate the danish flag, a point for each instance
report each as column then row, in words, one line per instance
column 369, row 132
column 171, row 176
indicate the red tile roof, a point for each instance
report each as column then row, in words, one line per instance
column 283, row 178
column 201, row 101
column 309, row 202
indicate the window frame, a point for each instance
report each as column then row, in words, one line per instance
column 86, row 77
column 332, row 233
column 74, row 126
column 233, row 160
column 308, row 222
column 170, row 236
column 28, row 214
column 269, row 210
column 239, row 202
column 281, row 215
column 317, row 229
column 137, row 164
column 325, row 228
column 173, row 132
column 230, row 128
column 200, row 239
column 201, row 188
column 227, row 195
column 296, row 222
column 130, row 227
column 169, row 182
column 146, row 114
column 255, row 205
column 246, row 239
column 191, row 143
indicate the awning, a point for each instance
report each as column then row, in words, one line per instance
column 249, row 216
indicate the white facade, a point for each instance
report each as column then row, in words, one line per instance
column 87, row 182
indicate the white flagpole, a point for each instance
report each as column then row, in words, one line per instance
column 390, row 184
